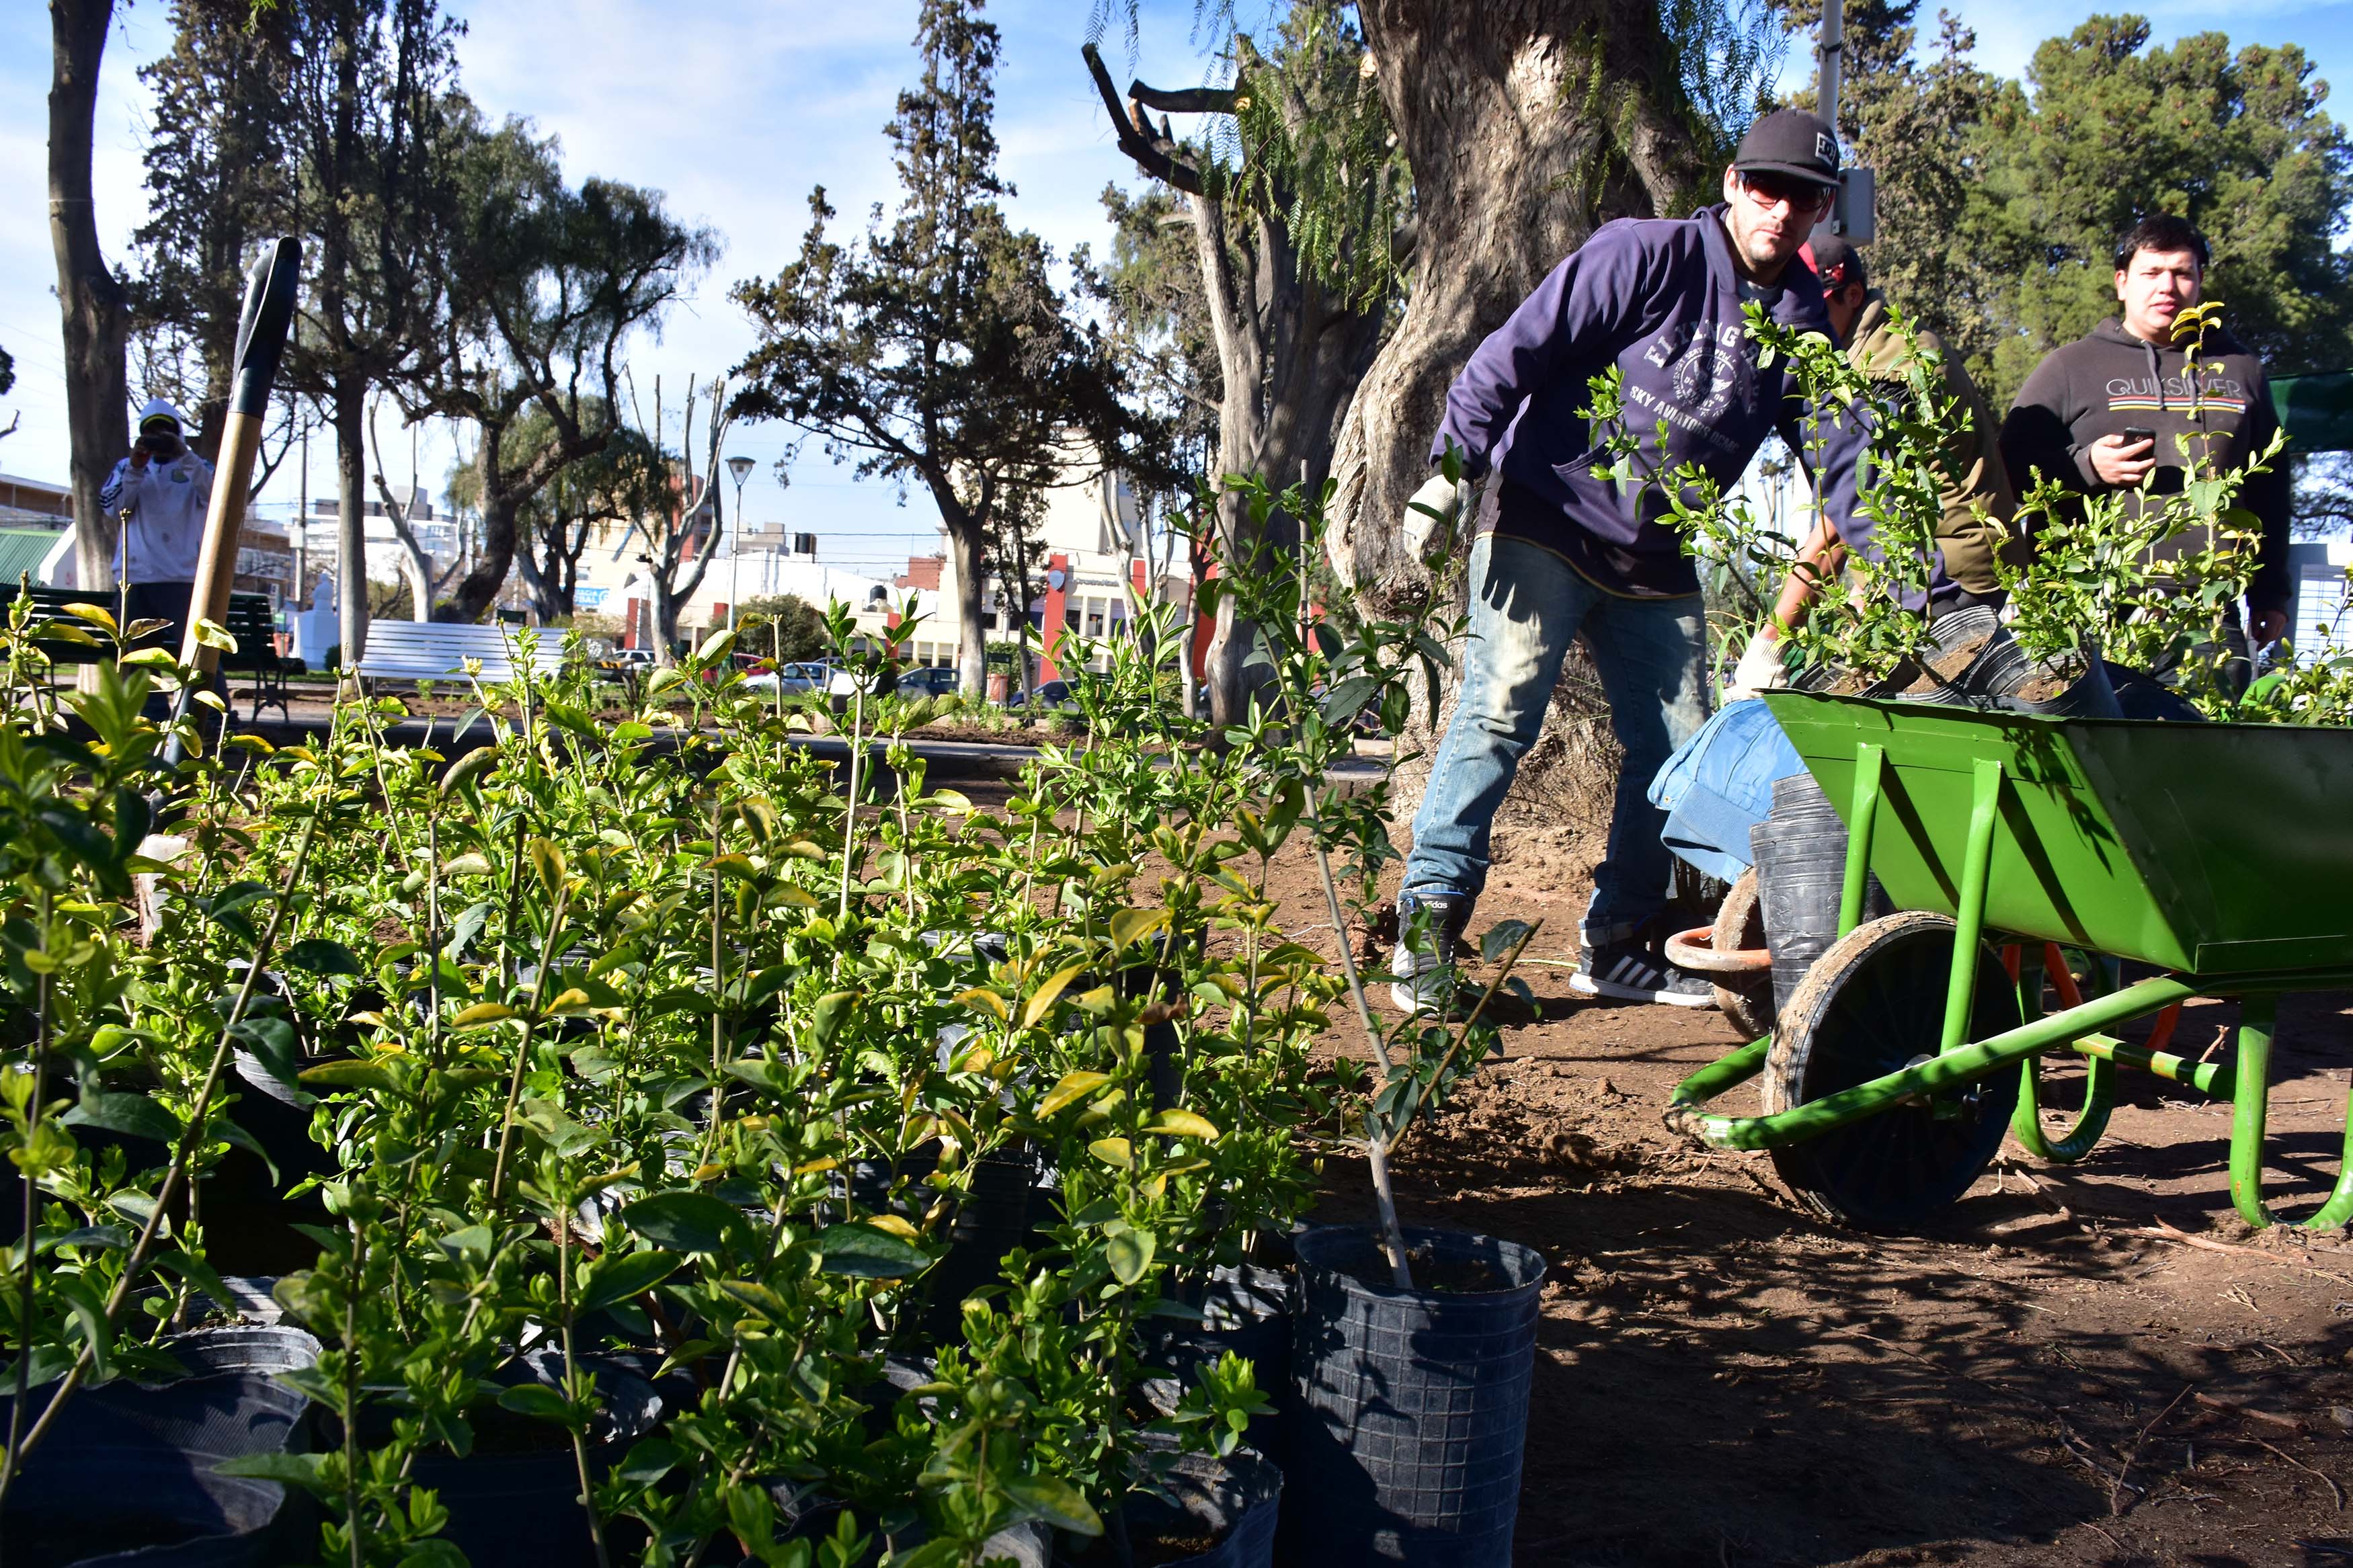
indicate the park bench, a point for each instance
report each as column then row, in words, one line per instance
column 438, row 650
column 251, row 621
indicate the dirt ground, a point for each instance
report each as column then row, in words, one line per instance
column 2049, row 1375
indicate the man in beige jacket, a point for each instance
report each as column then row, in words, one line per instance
column 1979, row 501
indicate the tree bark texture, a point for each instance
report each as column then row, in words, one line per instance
column 96, row 316
column 347, row 413
column 1290, row 351
column 1522, row 142
column 966, row 546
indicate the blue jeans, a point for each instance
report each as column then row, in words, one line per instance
column 1526, row 606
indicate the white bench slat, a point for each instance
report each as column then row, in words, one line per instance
column 438, row 650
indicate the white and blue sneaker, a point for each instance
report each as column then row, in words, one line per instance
column 1430, row 924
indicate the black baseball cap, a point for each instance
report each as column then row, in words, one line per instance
column 1835, row 261
column 1793, row 142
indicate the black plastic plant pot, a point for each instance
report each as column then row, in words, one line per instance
column 516, row 1497
column 2088, row 696
column 1233, row 1504
column 1800, row 853
column 127, row 1477
column 142, row 1510
column 992, row 1220
column 1245, row 1310
column 1413, row 1404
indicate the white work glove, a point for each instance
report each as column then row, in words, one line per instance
column 1432, row 516
column 1760, row 669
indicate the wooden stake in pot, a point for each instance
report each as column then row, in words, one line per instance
column 260, row 340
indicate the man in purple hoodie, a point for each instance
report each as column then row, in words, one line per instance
column 1559, row 550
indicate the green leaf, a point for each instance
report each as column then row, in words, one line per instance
column 132, row 1115
column 539, row 1402
column 683, row 1220
column 1130, row 1254
column 1130, row 926
column 623, row 1278
column 1184, row 1124
column 113, row 1238
column 1504, row 936
column 468, row 768
column 1343, row 701
column 647, row 1461
column 1074, row 1086
column 1041, row 1001
column 865, row 1253
column 287, row 1469
column 321, row 956
column 1054, row 1501
column 349, row 1075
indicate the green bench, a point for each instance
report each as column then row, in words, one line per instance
column 251, row 622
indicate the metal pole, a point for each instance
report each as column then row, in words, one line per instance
column 1828, row 54
column 1829, row 58
column 735, row 555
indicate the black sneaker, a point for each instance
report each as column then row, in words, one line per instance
column 1636, row 970
column 1423, row 968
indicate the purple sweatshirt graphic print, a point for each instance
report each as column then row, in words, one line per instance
column 1660, row 298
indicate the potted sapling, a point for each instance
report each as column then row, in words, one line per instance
column 1414, row 1348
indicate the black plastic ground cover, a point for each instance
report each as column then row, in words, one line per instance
column 127, row 1476
column 1413, row 1404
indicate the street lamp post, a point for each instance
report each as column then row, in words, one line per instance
column 742, row 469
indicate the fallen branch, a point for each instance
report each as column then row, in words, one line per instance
column 2334, row 1490
column 2116, row 1493
column 2215, row 1402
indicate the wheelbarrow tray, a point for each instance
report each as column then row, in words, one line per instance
column 2208, row 849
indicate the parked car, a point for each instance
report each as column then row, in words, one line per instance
column 796, row 678
column 929, row 680
column 1051, row 696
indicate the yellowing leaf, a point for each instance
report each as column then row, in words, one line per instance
column 794, row 898
column 1183, row 1125
column 481, row 1013
column 895, row 1223
column 570, row 998
column 1129, row 926
column 983, row 1001
column 1041, row 1001
column 1074, row 1086
column 811, row 1167
column 708, row 1173
column 1112, row 1151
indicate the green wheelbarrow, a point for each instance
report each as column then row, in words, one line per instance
column 2221, row 855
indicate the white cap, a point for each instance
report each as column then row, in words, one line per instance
column 161, row 408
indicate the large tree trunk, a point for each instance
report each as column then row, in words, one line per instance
column 481, row 587
column 95, row 317
column 964, row 546
column 1291, row 356
column 1514, row 162
column 348, row 415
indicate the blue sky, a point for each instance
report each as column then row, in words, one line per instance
column 735, row 111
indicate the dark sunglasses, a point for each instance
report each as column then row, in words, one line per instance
column 1772, row 190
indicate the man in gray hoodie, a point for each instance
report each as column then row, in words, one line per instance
column 2102, row 413
column 1563, row 551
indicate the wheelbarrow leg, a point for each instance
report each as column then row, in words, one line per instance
column 2250, row 1093
column 2100, row 1073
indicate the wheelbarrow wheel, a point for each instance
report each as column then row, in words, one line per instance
column 1748, row 1000
column 1872, row 1005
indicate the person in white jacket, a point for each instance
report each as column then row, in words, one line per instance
column 160, row 492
